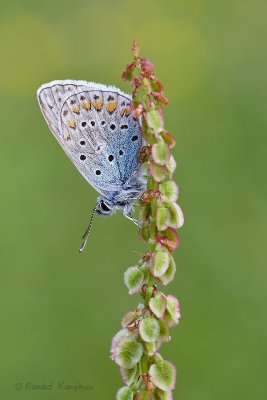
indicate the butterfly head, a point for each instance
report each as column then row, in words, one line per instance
column 104, row 207
column 107, row 207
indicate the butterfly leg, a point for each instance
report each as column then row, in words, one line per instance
column 131, row 219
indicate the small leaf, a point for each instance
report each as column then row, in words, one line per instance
column 128, row 375
column 171, row 165
column 127, row 75
column 176, row 215
column 124, row 393
column 163, row 218
column 131, row 67
column 169, row 189
column 172, row 315
column 129, row 353
column 160, row 98
column 149, row 329
column 160, row 153
column 115, row 342
column 169, row 239
column 164, row 333
column 168, row 138
column 150, row 348
column 128, row 319
column 161, row 262
column 157, row 305
column 137, row 111
column 146, row 65
column 166, row 278
column 143, row 233
column 133, row 279
column 158, row 172
column 145, row 211
column 156, row 85
column 154, row 120
column 163, row 375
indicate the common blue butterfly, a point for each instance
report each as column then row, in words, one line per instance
column 93, row 124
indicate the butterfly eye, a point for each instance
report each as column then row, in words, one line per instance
column 110, row 158
column 104, row 206
column 134, row 138
column 82, row 157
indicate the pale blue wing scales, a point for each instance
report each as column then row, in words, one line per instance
column 87, row 146
column 130, row 140
column 94, row 126
column 86, row 125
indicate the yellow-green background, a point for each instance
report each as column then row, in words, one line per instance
column 60, row 309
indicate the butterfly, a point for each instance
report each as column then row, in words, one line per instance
column 94, row 125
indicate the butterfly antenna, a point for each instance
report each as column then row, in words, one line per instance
column 88, row 230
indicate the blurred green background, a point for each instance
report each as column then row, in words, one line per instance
column 59, row 309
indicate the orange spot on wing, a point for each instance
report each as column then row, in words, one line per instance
column 86, row 104
column 111, row 106
column 71, row 123
column 97, row 104
column 66, row 136
column 76, row 109
column 125, row 111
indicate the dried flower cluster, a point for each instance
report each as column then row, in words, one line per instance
column 135, row 348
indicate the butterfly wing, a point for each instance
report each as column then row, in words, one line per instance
column 94, row 126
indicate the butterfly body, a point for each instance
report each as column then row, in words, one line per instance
column 94, row 126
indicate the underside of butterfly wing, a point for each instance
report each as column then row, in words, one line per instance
column 94, row 126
